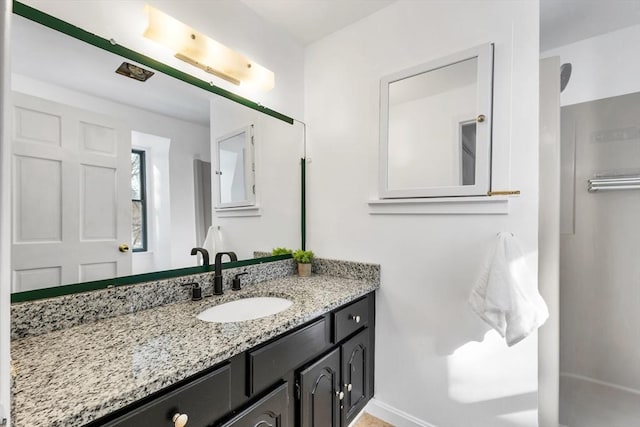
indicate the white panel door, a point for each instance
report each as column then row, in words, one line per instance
column 71, row 195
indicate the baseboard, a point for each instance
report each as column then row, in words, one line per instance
column 393, row 416
column 599, row 382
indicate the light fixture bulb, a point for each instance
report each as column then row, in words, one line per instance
column 197, row 49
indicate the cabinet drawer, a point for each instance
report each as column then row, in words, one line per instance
column 271, row 410
column 269, row 363
column 350, row 319
column 204, row 400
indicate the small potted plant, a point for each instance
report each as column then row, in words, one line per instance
column 304, row 262
column 281, row 251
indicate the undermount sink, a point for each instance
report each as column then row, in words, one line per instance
column 244, row 309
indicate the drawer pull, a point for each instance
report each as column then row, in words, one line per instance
column 340, row 394
column 349, row 387
column 180, row 420
column 355, row 318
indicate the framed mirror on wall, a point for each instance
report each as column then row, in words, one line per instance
column 86, row 213
column 435, row 127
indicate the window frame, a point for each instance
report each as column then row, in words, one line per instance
column 143, row 201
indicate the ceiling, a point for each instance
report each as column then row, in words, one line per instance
column 56, row 58
column 568, row 21
column 562, row 22
column 310, row 20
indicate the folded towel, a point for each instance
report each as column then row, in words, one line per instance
column 506, row 296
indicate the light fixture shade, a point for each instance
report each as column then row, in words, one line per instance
column 199, row 50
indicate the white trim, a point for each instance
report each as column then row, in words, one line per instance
column 241, row 211
column 5, row 213
column 599, row 382
column 482, row 205
column 393, row 415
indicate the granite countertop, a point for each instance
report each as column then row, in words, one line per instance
column 72, row 376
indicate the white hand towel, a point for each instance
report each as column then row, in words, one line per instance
column 506, row 295
column 210, row 241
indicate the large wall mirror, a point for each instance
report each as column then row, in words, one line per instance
column 435, row 127
column 113, row 176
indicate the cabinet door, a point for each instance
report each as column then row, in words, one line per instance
column 270, row 411
column 356, row 375
column 319, row 404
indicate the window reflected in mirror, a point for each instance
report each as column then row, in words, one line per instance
column 138, row 202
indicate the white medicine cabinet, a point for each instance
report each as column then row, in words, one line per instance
column 435, row 128
column 235, row 169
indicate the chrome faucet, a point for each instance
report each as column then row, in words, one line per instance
column 205, row 255
column 217, row 278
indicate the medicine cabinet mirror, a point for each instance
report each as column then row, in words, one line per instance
column 235, row 171
column 435, row 127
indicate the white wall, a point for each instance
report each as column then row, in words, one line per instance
column 279, row 147
column 229, row 22
column 413, row 161
column 603, row 66
column 434, row 359
column 188, row 141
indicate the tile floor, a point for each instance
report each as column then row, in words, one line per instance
column 587, row 404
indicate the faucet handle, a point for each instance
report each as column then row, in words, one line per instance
column 236, row 285
column 196, row 290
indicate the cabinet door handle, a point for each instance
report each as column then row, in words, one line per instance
column 355, row 318
column 349, row 387
column 340, row 394
column 180, row 420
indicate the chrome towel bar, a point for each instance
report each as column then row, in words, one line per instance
column 606, row 183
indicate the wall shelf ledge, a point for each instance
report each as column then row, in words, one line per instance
column 240, row 211
column 477, row 205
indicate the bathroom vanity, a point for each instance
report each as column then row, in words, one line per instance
column 319, row 374
column 311, row 364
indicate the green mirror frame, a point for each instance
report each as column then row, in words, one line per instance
column 64, row 27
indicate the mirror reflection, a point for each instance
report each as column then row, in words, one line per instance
column 427, row 114
column 113, row 176
column 235, row 168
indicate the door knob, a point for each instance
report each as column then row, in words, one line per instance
column 180, row 420
column 123, row 247
column 481, row 118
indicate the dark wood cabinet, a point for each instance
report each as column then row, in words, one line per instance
column 319, row 388
column 336, row 387
column 270, row 411
column 319, row 374
column 356, row 375
column 203, row 400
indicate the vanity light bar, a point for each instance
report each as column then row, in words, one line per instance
column 614, row 183
column 205, row 53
